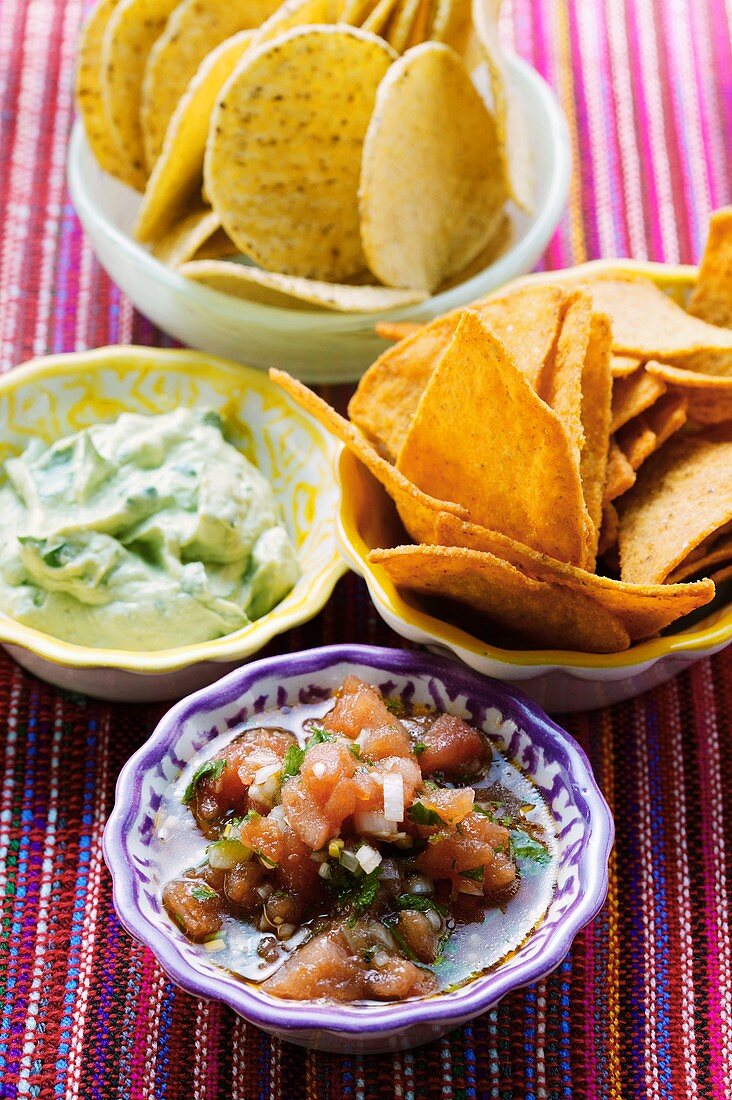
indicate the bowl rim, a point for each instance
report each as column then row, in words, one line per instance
column 373, row 1019
column 239, row 644
column 388, row 600
column 543, row 223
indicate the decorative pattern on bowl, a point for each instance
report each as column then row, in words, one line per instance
column 555, row 763
column 559, row 680
column 57, row 395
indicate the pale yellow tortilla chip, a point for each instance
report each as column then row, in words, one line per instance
column 184, row 240
column 513, row 134
column 633, row 395
column 711, row 299
column 400, row 25
column 298, row 13
column 432, row 190
column 177, row 177
column 377, row 19
column 130, row 34
column 648, row 324
column 543, row 615
column 623, row 365
column 283, row 155
column 419, row 28
column 481, row 435
column 643, row 610
column 194, row 28
column 526, row 320
column 452, row 23
column 682, row 496
column 107, row 151
column 217, row 247
column 417, row 510
column 292, row 292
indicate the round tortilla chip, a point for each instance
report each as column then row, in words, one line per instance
column 432, row 188
column 194, row 29
column 299, row 13
column 101, row 138
column 682, row 496
column 292, row 292
column 183, row 241
column 400, row 25
column 177, row 177
column 131, row 33
column 284, row 149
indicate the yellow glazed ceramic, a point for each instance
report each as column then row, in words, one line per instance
column 560, row 680
column 55, row 396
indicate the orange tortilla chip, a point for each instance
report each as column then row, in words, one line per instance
column 623, row 365
column 619, row 475
column 642, row 609
column 483, row 436
column 682, row 496
column 544, row 615
column 709, row 408
column 527, row 320
column 633, row 395
column 690, row 379
column 596, row 413
column 648, row 324
column 561, row 386
column 711, row 299
column 667, row 416
column 637, row 441
column 719, row 553
column 417, row 510
column 609, row 529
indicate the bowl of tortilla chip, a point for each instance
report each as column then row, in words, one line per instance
column 541, row 483
column 423, row 167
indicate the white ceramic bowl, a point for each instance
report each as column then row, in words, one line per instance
column 559, row 680
column 54, row 396
column 315, row 346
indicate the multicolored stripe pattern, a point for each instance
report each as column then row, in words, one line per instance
column 643, row 1005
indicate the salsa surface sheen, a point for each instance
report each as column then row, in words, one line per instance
column 282, row 886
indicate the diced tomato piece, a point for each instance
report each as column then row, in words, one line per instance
column 296, row 871
column 400, row 978
column 451, row 805
column 359, row 706
column 259, row 749
column 419, row 934
column 453, row 747
column 194, row 906
column 342, row 802
column 480, row 844
column 304, row 816
column 325, row 766
column 324, row 967
column 241, row 882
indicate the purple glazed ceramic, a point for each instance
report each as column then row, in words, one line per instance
column 546, row 753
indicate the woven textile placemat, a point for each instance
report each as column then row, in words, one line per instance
column 642, row 1007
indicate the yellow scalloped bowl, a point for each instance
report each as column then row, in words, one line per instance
column 54, row 396
column 560, row 680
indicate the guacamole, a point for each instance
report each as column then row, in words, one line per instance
column 147, row 533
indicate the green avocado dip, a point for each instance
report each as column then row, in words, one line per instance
column 147, row 533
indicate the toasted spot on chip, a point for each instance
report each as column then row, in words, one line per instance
column 623, row 365
column 194, row 28
column 513, row 134
column 538, row 613
column 271, row 288
column 526, row 320
column 177, row 177
column 100, row 136
column 283, row 155
column 633, row 395
column 482, row 436
column 642, row 609
column 417, row 510
column 130, row 35
column 184, row 240
column 432, row 188
column 711, row 299
column 682, row 496
column 649, row 324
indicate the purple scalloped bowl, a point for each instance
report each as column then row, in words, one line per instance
column 546, row 753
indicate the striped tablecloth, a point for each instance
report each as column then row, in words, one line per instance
column 643, row 1005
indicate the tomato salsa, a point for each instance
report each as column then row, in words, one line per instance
column 358, row 848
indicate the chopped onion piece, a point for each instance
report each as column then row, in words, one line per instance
column 215, row 945
column 394, row 796
column 468, row 887
column 264, row 774
column 349, row 861
column 367, row 821
column 368, row 857
column 319, row 769
column 277, row 813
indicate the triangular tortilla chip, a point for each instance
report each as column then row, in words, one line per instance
column 642, row 609
column 633, row 395
column 699, row 565
column 527, row 320
column 682, row 496
column 619, row 475
column 711, row 299
column 544, row 615
column 623, row 365
column 183, row 241
column 482, row 435
column 417, row 510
